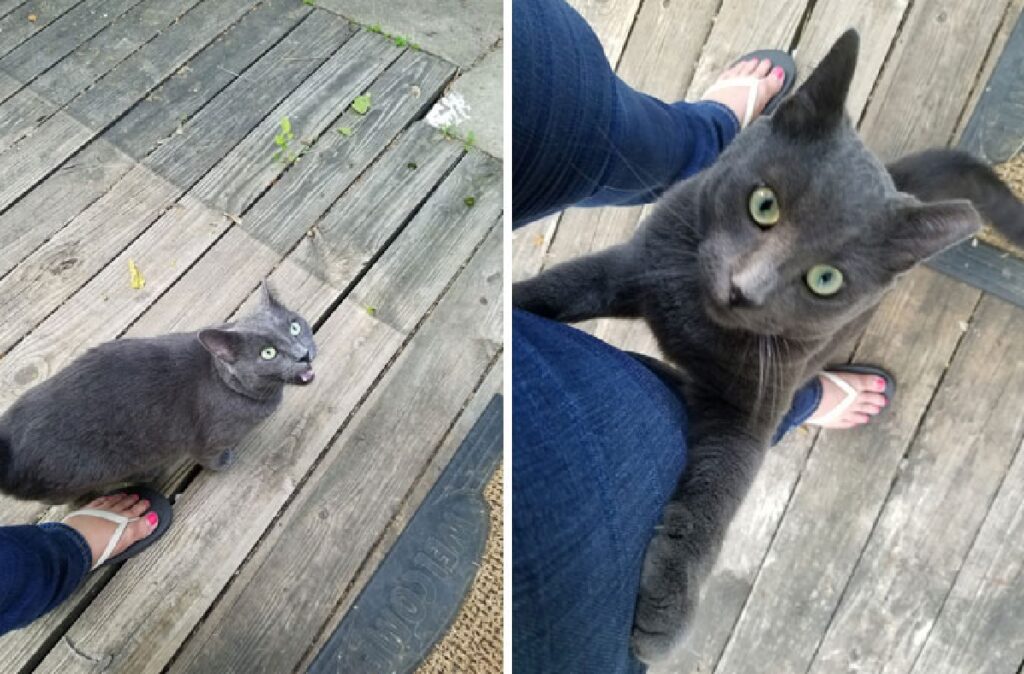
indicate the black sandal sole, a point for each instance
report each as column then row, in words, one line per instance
column 159, row 504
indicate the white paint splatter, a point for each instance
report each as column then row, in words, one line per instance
column 451, row 110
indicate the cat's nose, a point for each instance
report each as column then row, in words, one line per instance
column 306, row 358
column 737, row 298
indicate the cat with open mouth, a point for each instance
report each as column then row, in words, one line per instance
column 127, row 409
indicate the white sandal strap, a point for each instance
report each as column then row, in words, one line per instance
column 751, row 83
column 850, row 394
column 121, row 521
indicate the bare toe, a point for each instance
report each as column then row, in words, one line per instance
column 138, row 508
column 763, row 66
column 136, row 531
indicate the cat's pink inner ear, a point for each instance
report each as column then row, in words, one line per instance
column 924, row 230
column 221, row 343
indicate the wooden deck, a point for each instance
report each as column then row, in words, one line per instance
column 143, row 130
column 898, row 547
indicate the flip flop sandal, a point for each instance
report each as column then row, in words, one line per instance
column 778, row 58
column 850, row 393
column 158, row 503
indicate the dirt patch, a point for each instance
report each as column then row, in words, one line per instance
column 1013, row 173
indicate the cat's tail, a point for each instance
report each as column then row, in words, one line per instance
column 936, row 175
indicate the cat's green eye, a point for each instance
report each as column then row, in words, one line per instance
column 268, row 353
column 824, row 280
column 764, row 207
column 295, row 328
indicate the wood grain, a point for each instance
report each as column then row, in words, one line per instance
column 906, row 569
column 70, row 258
column 929, row 75
column 611, row 21
column 16, row 27
column 250, row 251
column 876, row 21
column 85, row 117
column 90, row 173
column 979, row 627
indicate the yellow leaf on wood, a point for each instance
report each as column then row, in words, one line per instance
column 138, row 283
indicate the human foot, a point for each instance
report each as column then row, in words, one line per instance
column 98, row 532
column 733, row 87
column 834, row 412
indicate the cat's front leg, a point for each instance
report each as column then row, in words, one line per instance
column 602, row 284
column 722, row 461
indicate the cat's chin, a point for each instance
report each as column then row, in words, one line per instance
column 722, row 316
column 305, row 377
column 732, row 320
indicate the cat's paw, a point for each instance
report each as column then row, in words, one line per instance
column 226, row 459
column 219, row 462
column 667, row 600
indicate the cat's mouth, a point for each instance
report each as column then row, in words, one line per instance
column 305, row 377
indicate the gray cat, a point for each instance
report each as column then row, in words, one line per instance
column 127, row 409
column 778, row 250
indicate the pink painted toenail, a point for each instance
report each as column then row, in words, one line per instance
column 152, row 518
column 880, row 384
column 778, row 73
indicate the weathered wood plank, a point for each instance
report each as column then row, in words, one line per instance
column 271, row 463
column 85, row 117
column 914, row 334
column 490, row 387
column 53, row 272
column 946, row 485
column 85, row 177
column 25, row 112
column 918, row 109
column 47, row 47
column 145, row 196
column 249, row 251
column 877, row 21
column 530, row 245
column 8, row 6
column 104, row 307
column 979, row 628
column 16, row 26
column 1012, row 27
column 359, row 487
column 611, row 21
column 348, row 238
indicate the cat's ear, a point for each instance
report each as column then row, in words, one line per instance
column 223, row 344
column 267, row 297
column 918, row 231
column 818, row 106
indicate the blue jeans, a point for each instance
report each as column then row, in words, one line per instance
column 40, row 566
column 599, row 440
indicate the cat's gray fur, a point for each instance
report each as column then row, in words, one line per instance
column 127, row 409
column 728, row 304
